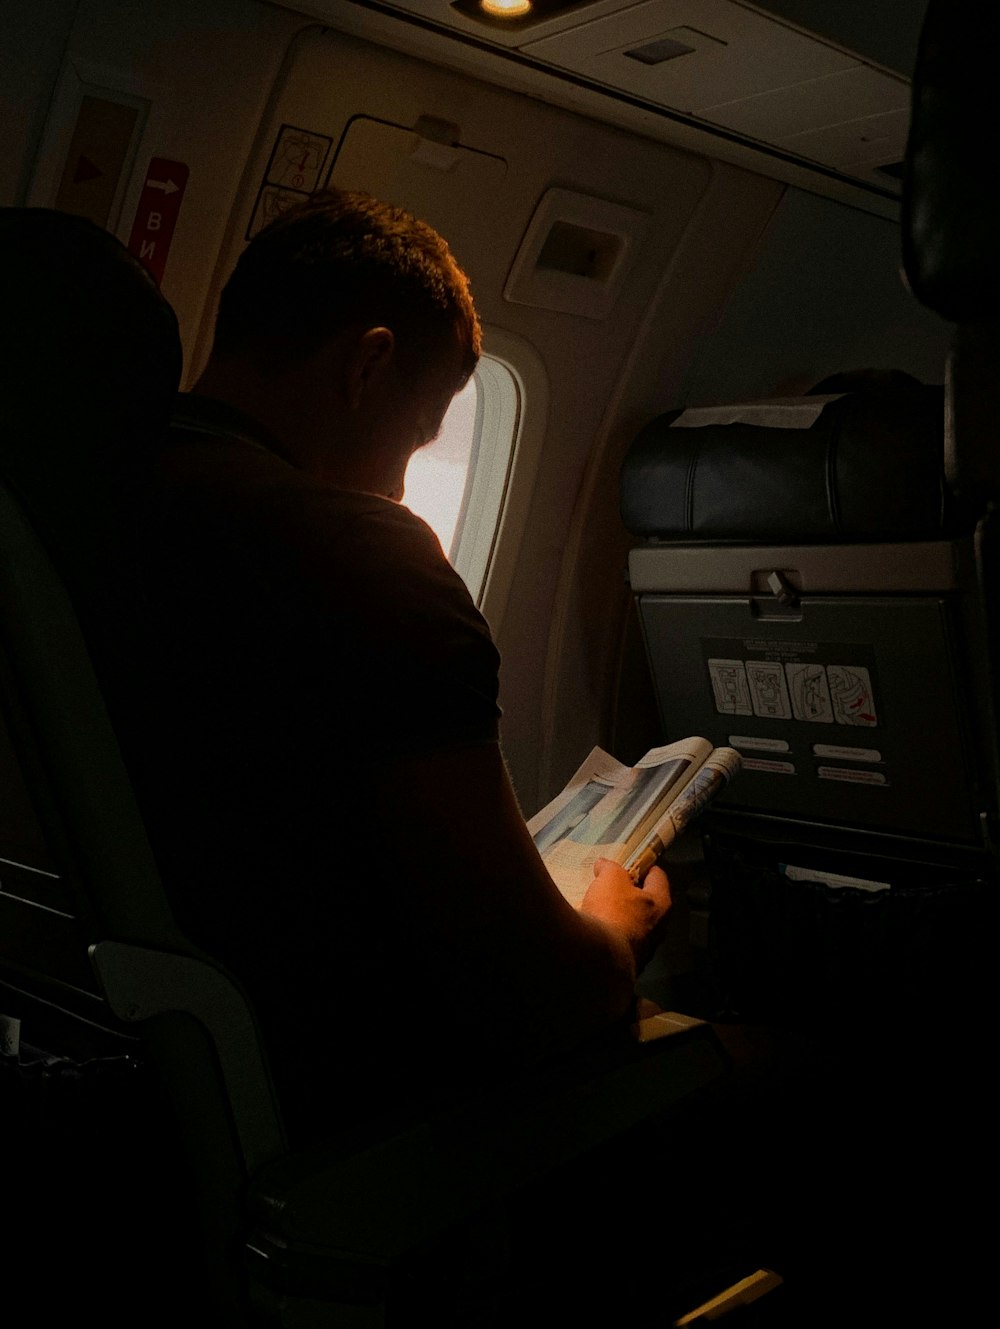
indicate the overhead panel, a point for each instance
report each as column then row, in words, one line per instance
column 765, row 91
column 746, row 73
column 841, row 98
column 469, row 18
column 857, row 146
column 735, row 54
column 851, row 121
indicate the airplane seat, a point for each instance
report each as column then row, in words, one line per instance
column 808, row 587
column 90, row 360
column 147, row 1170
column 90, row 353
column 950, row 216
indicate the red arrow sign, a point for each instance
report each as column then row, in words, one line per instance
column 156, row 215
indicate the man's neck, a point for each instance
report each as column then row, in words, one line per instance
column 283, row 409
column 316, row 411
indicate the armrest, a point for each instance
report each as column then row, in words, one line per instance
column 139, row 983
column 322, row 1220
column 375, row 1204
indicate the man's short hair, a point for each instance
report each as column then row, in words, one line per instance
column 342, row 259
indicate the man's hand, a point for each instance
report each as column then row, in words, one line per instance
column 482, row 916
column 637, row 912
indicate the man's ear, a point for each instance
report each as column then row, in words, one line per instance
column 370, row 360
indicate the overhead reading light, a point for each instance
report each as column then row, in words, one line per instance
column 515, row 13
column 506, row 8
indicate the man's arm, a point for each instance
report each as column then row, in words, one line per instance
column 530, row 971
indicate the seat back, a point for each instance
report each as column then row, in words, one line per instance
column 89, row 358
column 811, row 592
column 821, row 579
column 92, row 965
column 950, row 216
column 951, row 208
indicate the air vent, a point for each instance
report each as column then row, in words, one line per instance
column 657, row 53
column 575, row 254
column 669, row 45
column 580, row 251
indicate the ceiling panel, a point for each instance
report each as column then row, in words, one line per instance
column 738, row 53
column 874, row 141
column 850, row 95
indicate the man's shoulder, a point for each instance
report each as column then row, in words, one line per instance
column 220, row 458
column 231, row 494
column 352, row 586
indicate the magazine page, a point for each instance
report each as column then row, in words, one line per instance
column 606, row 808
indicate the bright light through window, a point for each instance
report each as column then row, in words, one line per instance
column 458, row 483
column 437, row 474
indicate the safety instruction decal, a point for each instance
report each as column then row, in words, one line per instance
column 793, row 680
column 293, row 172
column 156, row 215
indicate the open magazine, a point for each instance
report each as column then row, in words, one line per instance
column 627, row 814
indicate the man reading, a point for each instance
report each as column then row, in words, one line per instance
column 329, row 798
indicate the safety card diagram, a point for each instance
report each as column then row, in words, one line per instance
column 799, row 689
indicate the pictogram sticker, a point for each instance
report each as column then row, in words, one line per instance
column 271, row 203
column 851, row 692
column 767, row 687
column 792, row 681
column 810, row 693
column 157, row 213
column 297, row 158
column 729, row 683
column 294, row 170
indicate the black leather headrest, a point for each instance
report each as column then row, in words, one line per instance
column 85, row 334
column 951, row 188
column 90, row 360
column 860, row 466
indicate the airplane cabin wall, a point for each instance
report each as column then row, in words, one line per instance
column 826, row 294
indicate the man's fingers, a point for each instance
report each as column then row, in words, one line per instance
column 656, row 884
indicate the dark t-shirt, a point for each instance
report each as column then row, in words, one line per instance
column 305, row 636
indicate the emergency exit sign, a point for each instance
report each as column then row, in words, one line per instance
column 157, row 213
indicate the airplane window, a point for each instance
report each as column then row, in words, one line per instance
column 458, row 482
